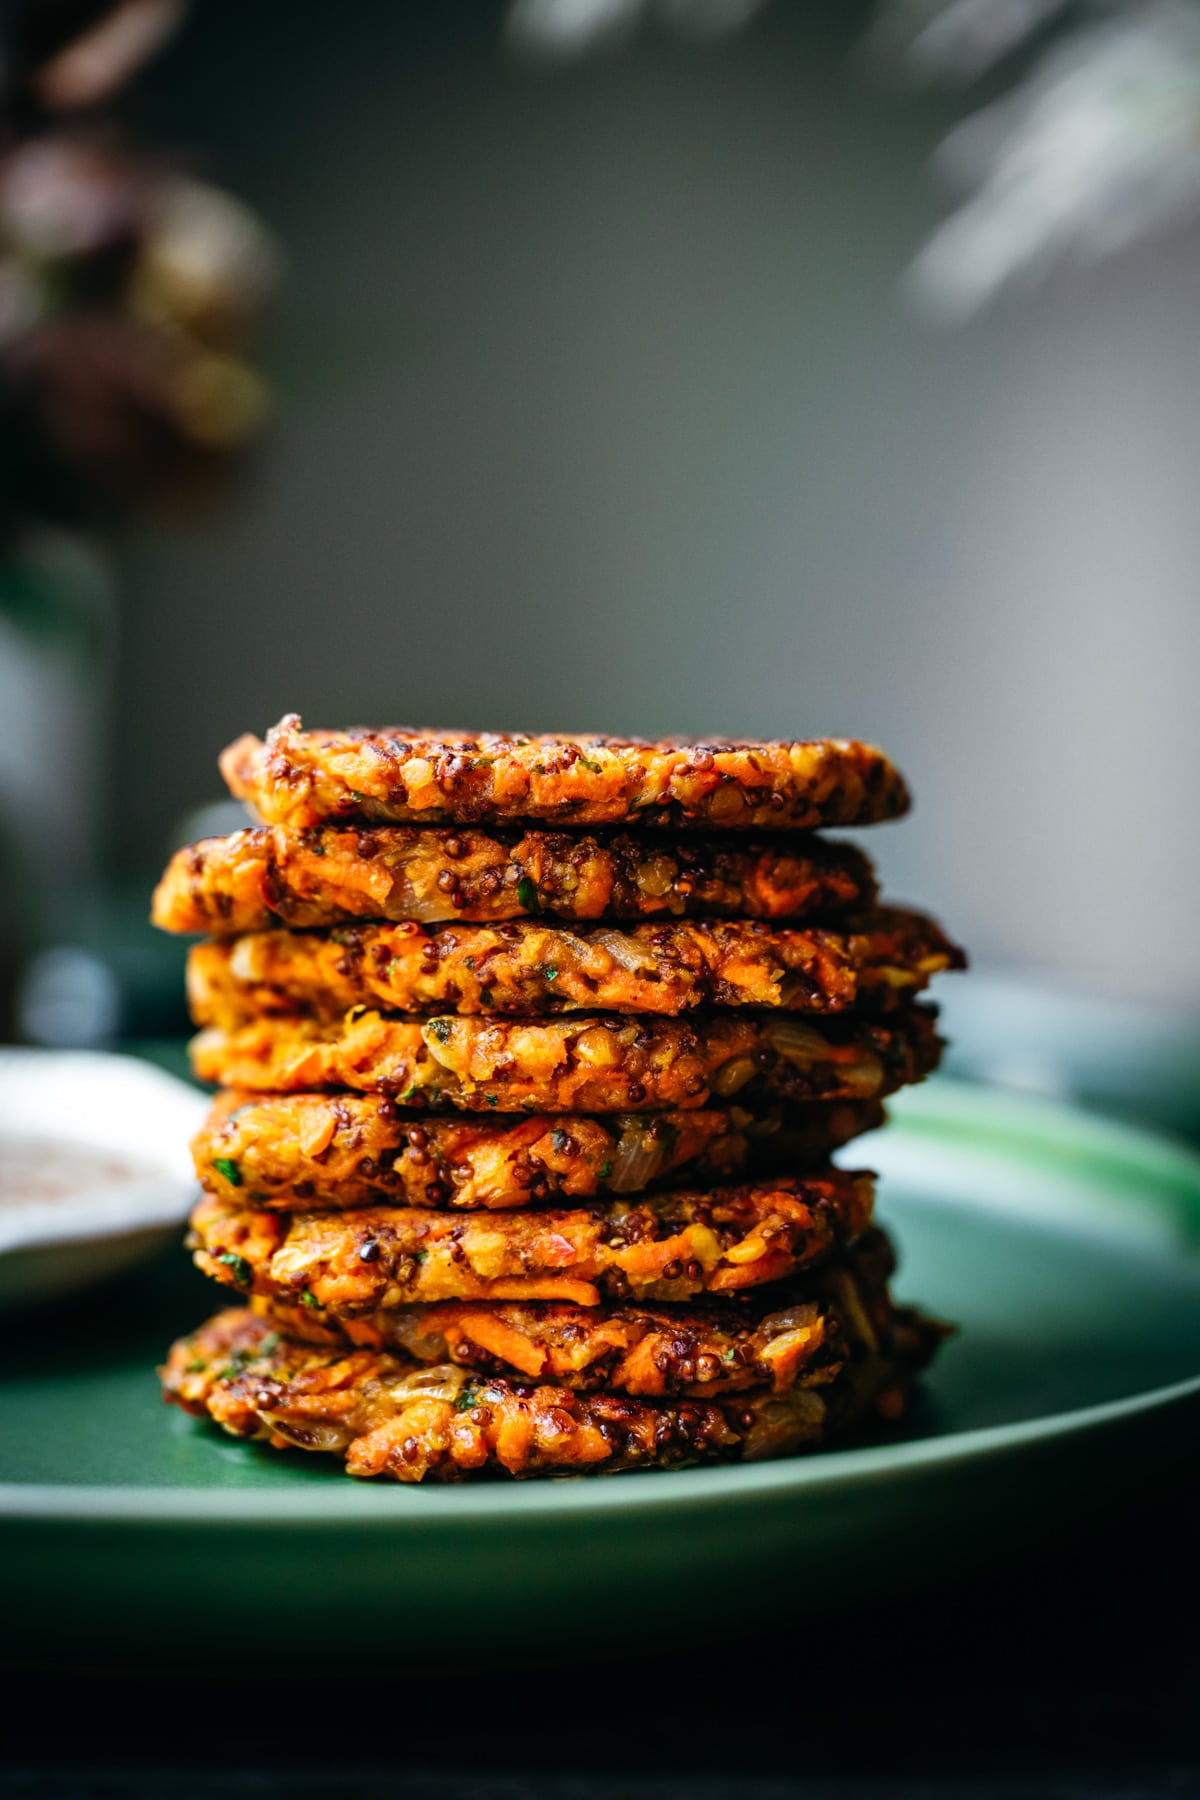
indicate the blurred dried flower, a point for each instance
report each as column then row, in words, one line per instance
column 954, row 40
column 1096, row 146
column 138, row 419
column 64, row 197
column 206, row 263
column 129, row 294
column 563, row 28
column 71, row 55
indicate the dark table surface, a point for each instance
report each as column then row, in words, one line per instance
column 1074, row 1674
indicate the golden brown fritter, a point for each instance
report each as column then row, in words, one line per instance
column 880, row 961
column 335, row 874
column 383, row 1414
column 664, row 1247
column 293, row 1151
column 299, row 778
column 795, row 1333
column 627, row 1348
column 585, row 1064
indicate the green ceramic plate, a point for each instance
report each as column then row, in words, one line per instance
column 1068, row 1250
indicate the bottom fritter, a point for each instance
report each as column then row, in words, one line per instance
column 385, row 1414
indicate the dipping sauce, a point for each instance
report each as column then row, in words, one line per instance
column 33, row 1170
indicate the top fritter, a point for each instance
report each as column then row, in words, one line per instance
column 300, row 778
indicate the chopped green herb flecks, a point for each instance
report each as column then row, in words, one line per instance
column 308, row 1297
column 560, row 1138
column 467, row 1399
column 441, row 1029
column 269, row 1343
column 242, row 1273
column 226, row 1167
column 605, row 1169
column 551, row 973
column 527, row 894
column 595, row 767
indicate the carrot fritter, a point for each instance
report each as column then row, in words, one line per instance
column 778, row 1337
column 664, row 1247
column 598, row 1064
column 299, row 778
column 383, row 1414
column 293, row 1151
column 630, row 1349
column 334, row 874
column 879, row 961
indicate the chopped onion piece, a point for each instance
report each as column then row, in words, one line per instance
column 799, row 1043
column 625, row 951
column 865, row 1075
column 636, row 1160
column 318, row 1436
column 443, row 1382
column 792, row 1318
column 734, row 1075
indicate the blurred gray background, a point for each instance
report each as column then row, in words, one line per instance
column 601, row 407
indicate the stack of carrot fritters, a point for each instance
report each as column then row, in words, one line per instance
column 533, row 1053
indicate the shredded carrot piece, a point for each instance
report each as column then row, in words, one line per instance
column 786, row 1354
column 639, row 1370
column 646, row 1262
column 550, row 1287
column 767, row 1268
column 307, row 1067
column 500, row 1340
column 751, row 1248
column 319, row 1138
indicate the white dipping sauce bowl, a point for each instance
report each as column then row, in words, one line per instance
column 101, row 1106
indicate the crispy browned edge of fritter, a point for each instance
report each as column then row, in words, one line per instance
column 583, row 1063
column 667, row 1247
column 331, row 875
column 301, row 778
column 876, row 964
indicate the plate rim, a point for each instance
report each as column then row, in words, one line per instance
column 370, row 1506
column 531, row 1501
